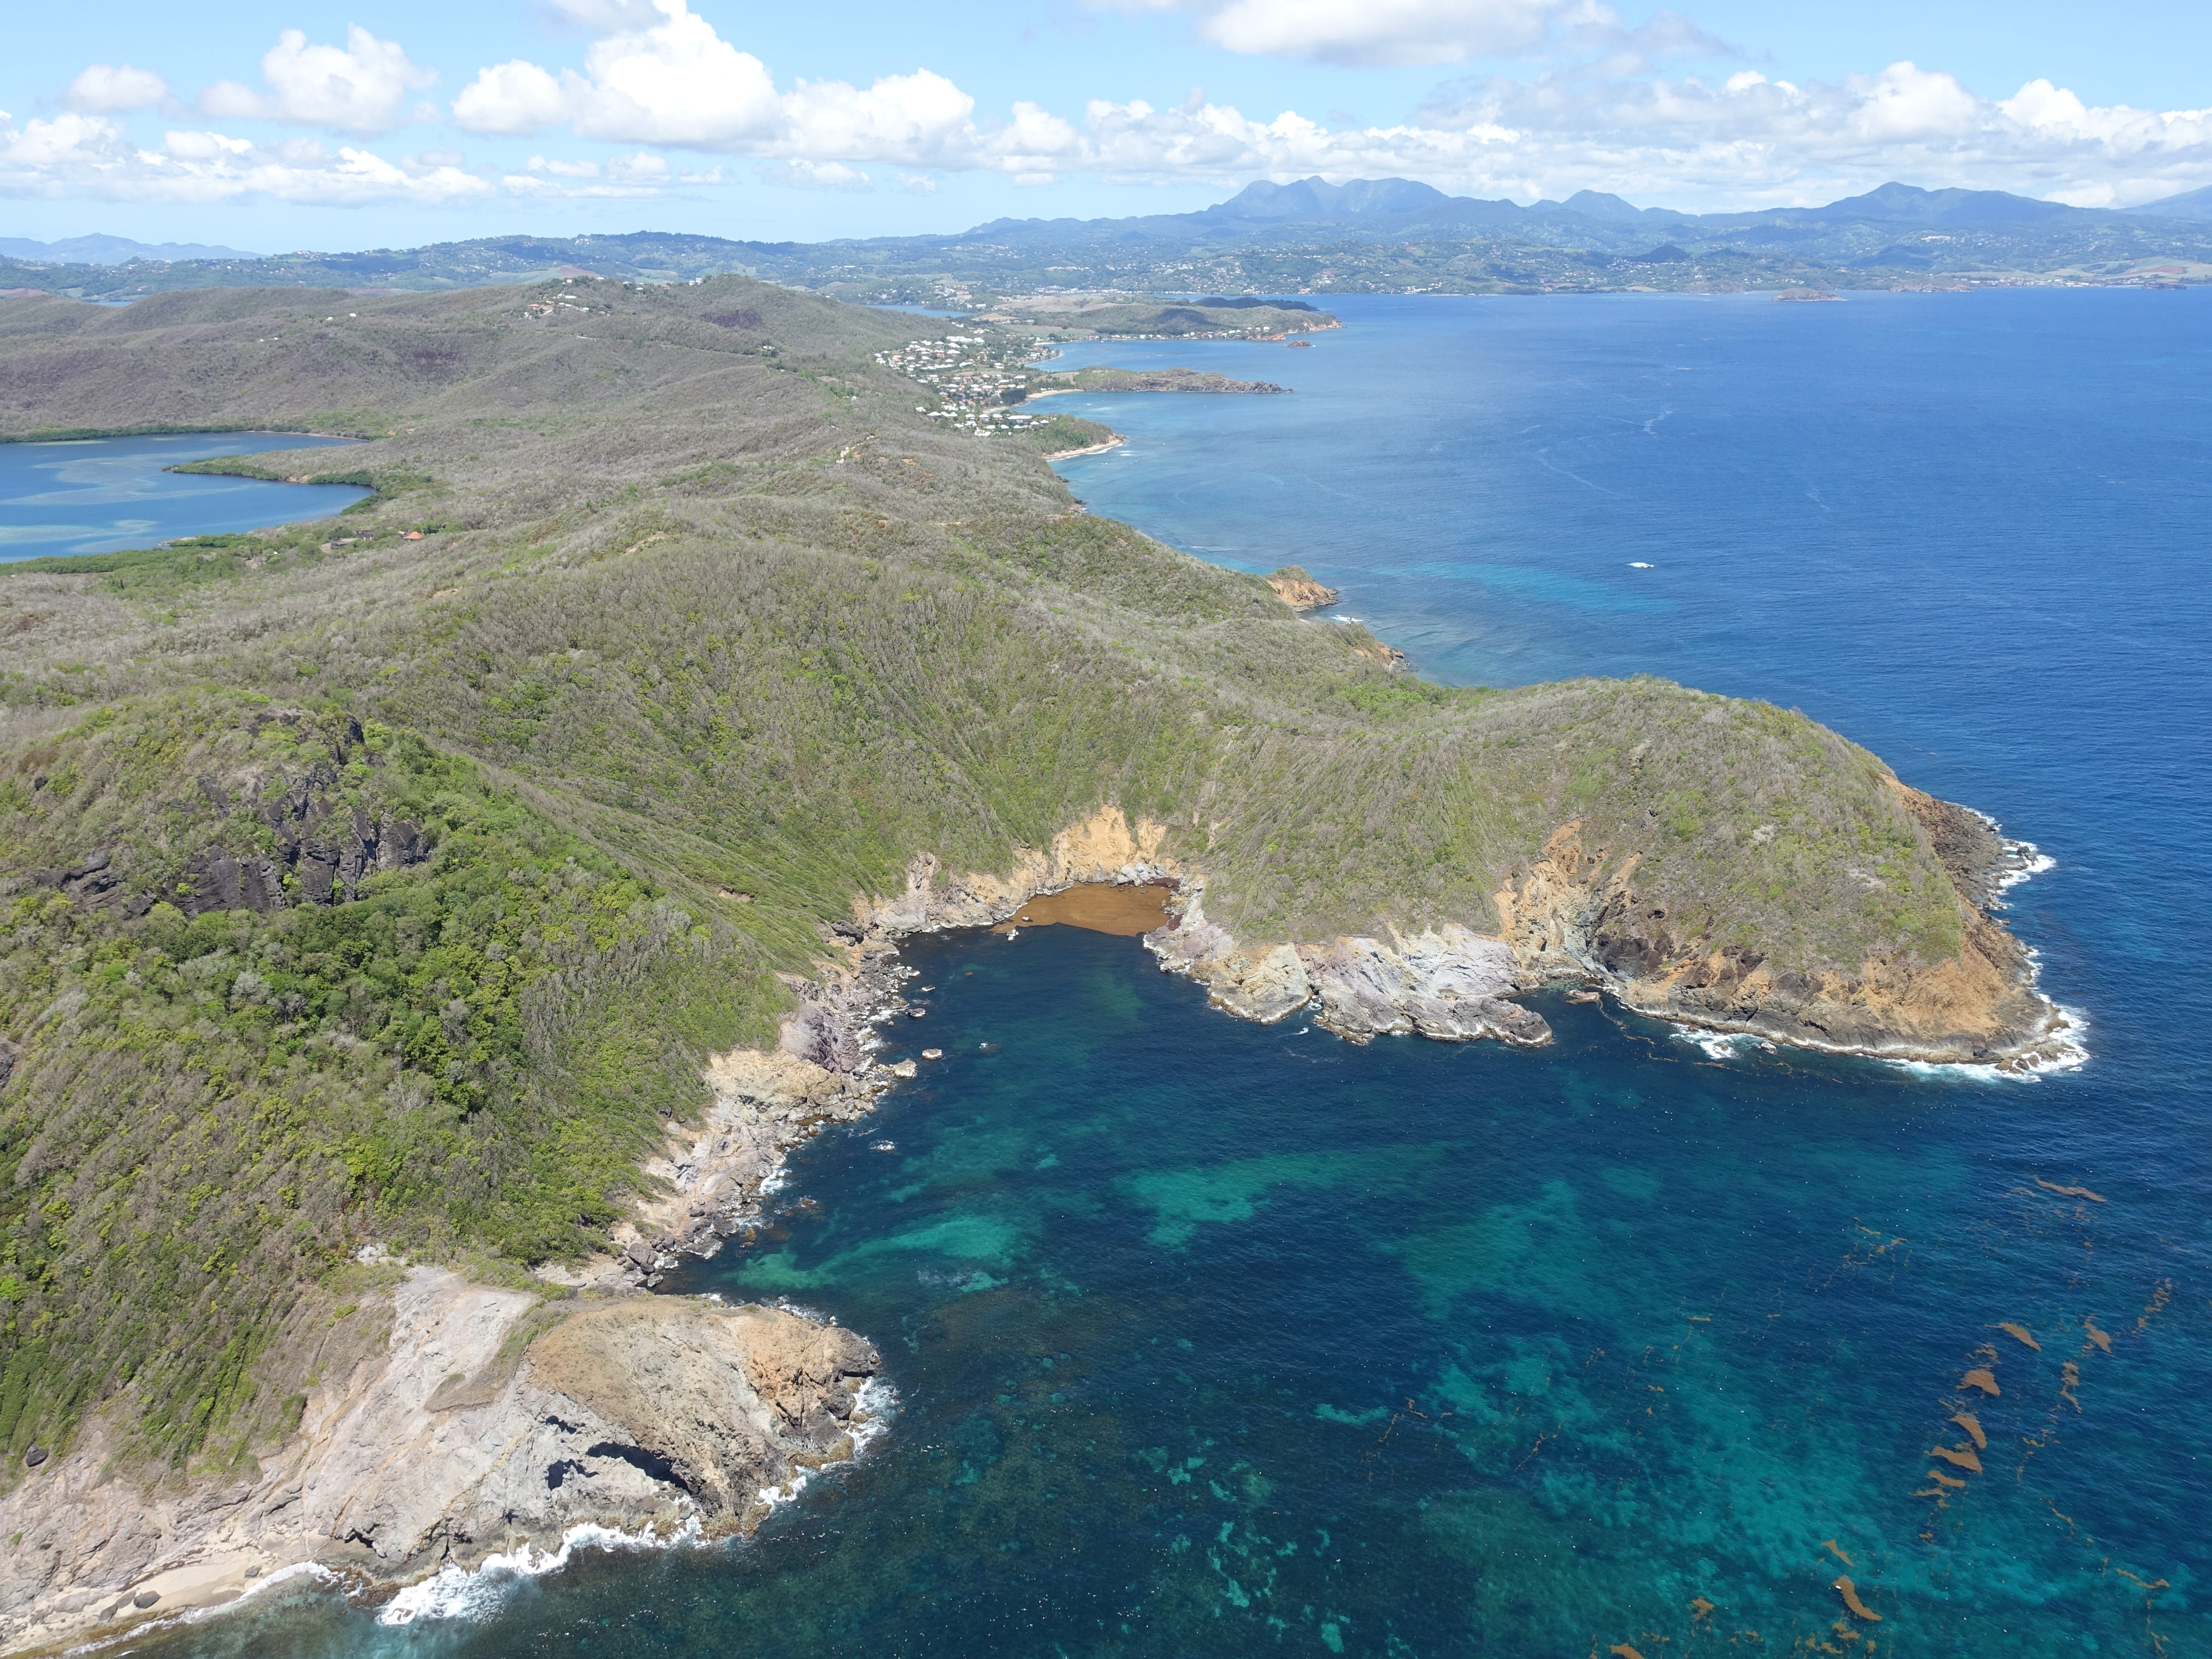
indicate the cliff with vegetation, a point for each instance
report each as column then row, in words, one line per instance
column 499, row 877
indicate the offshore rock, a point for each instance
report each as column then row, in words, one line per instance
column 464, row 1438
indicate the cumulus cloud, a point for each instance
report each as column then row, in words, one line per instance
column 655, row 74
column 641, row 175
column 104, row 87
column 1391, row 31
column 674, row 81
column 81, row 154
column 1749, row 139
column 362, row 87
column 815, row 175
column 658, row 73
column 1411, row 32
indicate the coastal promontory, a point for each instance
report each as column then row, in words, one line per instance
column 424, row 928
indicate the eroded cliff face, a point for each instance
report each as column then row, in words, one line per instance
column 467, row 1438
column 1448, row 983
column 1577, row 913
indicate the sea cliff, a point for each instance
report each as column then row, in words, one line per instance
column 507, row 885
column 492, row 1424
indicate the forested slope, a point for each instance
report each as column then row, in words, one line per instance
column 387, row 879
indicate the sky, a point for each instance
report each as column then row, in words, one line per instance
column 271, row 125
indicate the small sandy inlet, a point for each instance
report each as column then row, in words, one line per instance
column 1096, row 905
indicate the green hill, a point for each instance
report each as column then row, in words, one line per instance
column 386, row 880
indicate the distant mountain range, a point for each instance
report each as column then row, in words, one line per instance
column 2191, row 204
column 1369, row 235
column 97, row 250
column 1397, row 205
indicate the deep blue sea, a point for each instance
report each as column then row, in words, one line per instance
column 1220, row 1340
column 103, row 494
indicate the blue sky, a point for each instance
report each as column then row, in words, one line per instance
column 269, row 125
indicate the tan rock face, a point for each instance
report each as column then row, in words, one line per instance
column 1295, row 588
column 1573, row 914
column 465, row 1438
column 1106, row 847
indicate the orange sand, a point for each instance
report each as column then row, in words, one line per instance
column 1096, row 906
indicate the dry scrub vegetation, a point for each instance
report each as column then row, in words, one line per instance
column 705, row 633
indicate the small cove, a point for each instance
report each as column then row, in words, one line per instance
column 105, row 494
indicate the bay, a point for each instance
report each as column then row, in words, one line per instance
column 105, row 494
column 1215, row 1338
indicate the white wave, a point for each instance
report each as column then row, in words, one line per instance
column 873, row 1408
column 314, row 1570
column 1722, row 1045
column 2028, row 862
column 454, row 1592
column 255, row 1586
column 2070, row 1054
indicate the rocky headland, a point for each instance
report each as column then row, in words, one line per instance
column 1152, row 379
column 479, row 886
column 1299, row 591
column 494, row 1423
column 1573, row 916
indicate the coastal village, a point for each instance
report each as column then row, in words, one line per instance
column 981, row 377
column 978, row 378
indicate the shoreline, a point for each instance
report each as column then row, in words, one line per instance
column 627, row 1422
column 768, row 1104
column 1113, row 442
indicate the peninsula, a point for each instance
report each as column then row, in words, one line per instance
column 422, row 928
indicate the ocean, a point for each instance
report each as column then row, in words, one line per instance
column 105, row 495
column 1216, row 1338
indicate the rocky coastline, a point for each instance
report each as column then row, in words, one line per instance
column 496, row 1422
column 1299, row 591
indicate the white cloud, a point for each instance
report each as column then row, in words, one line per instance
column 663, row 76
column 78, row 155
column 516, row 99
column 1390, row 31
column 1395, row 33
column 658, row 75
column 815, row 175
column 105, row 88
column 1752, row 140
column 623, row 178
column 360, row 86
column 676, row 81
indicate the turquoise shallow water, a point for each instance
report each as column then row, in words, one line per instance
column 103, row 494
column 1217, row 1339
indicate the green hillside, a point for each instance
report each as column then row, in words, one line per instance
column 360, row 888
